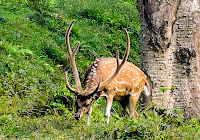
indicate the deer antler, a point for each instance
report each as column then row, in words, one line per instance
column 72, row 58
column 68, row 86
column 119, row 66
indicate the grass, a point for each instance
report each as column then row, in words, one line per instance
column 34, row 102
column 150, row 125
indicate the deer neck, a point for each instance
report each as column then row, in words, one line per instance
column 92, row 76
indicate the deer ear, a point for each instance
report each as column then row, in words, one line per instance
column 96, row 95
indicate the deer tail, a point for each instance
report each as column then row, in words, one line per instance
column 147, row 89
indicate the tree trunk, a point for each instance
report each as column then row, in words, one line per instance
column 170, row 38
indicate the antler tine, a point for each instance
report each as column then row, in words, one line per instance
column 67, row 37
column 117, row 59
column 67, row 84
column 72, row 58
column 75, row 51
column 127, row 48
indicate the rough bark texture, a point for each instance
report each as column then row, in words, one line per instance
column 171, row 52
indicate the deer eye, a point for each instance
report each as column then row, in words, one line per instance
column 87, row 105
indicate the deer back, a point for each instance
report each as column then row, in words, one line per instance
column 129, row 79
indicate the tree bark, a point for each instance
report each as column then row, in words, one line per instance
column 170, row 38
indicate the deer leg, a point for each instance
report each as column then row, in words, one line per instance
column 124, row 112
column 124, row 103
column 132, row 105
column 89, row 115
column 109, row 101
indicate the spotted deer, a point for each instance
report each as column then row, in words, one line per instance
column 111, row 78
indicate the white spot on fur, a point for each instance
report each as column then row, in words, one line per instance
column 130, row 76
column 120, row 90
column 133, row 79
column 122, row 82
column 133, row 94
column 130, row 69
column 94, row 71
column 141, row 79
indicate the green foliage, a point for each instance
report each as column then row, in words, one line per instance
column 172, row 88
column 163, row 89
column 34, row 102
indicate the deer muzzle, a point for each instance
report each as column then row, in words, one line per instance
column 77, row 117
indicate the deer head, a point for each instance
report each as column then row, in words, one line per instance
column 86, row 98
